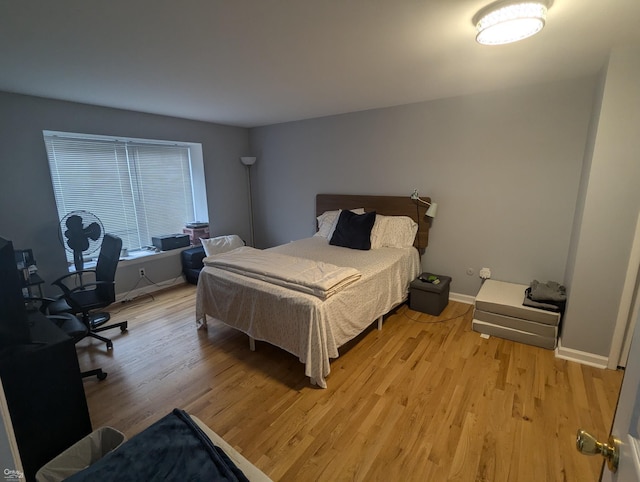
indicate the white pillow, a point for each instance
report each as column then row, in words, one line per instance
column 393, row 232
column 221, row 244
column 325, row 220
column 328, row 220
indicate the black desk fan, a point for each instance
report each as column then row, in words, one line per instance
column 83, row 233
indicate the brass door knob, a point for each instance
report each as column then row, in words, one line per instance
column 587, row 444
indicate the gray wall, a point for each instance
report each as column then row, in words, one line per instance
column 524, row 179
column 504, row 167
column 27, row 207
column 608, row 210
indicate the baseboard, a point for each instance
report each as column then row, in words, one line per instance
column 152, row 288
column 585, row 358
column 469, row 300
column 597, row 361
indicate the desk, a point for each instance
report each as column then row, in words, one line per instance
column 44, row 393
column 34, row 281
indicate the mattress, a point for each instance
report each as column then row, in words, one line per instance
column 178, row 447
column 251, row 472
column 303, row 324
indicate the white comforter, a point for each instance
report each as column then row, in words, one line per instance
column 301, row 274
column 307, row 326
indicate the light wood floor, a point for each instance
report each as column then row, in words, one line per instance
column 424, row 399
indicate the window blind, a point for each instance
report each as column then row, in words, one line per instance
column 137, row 189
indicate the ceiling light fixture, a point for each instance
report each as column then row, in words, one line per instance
column 509, row 21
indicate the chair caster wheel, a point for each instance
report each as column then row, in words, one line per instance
column 123, row 329
column 102, row 376
column 109, row 345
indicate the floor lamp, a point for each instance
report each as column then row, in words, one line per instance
column 248, row 162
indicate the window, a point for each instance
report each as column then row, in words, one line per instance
column 137, row 188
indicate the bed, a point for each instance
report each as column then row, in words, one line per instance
column 311, row 326
column 178, row 447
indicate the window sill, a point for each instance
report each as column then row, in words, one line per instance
column 135, row 257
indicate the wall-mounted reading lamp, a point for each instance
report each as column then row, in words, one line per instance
column 433, row 207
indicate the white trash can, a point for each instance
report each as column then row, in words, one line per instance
column 81, row 455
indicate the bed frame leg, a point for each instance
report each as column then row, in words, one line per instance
column 380, row 322
column 252, row 343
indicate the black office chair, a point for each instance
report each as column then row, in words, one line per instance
column 84, row 298
column 77, row 330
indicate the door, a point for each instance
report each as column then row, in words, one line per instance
column 626, row 423
column 629, row 305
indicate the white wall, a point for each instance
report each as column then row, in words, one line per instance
column 610, row 201
column 504, row 167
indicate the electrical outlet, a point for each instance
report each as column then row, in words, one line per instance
column 141, row 272
column 485, row 273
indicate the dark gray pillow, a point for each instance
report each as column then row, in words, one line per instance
column 354, row 230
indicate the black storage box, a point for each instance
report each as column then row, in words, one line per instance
column 171, row 241
column 428, row 297
column 192, row 263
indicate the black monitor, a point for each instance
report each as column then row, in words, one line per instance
column 14, row 326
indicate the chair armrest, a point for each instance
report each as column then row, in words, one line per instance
column 60, row 281
column 88, row 285
column 44, row 302
column 44, row 299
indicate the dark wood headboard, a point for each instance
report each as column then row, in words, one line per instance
column 385, row 205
